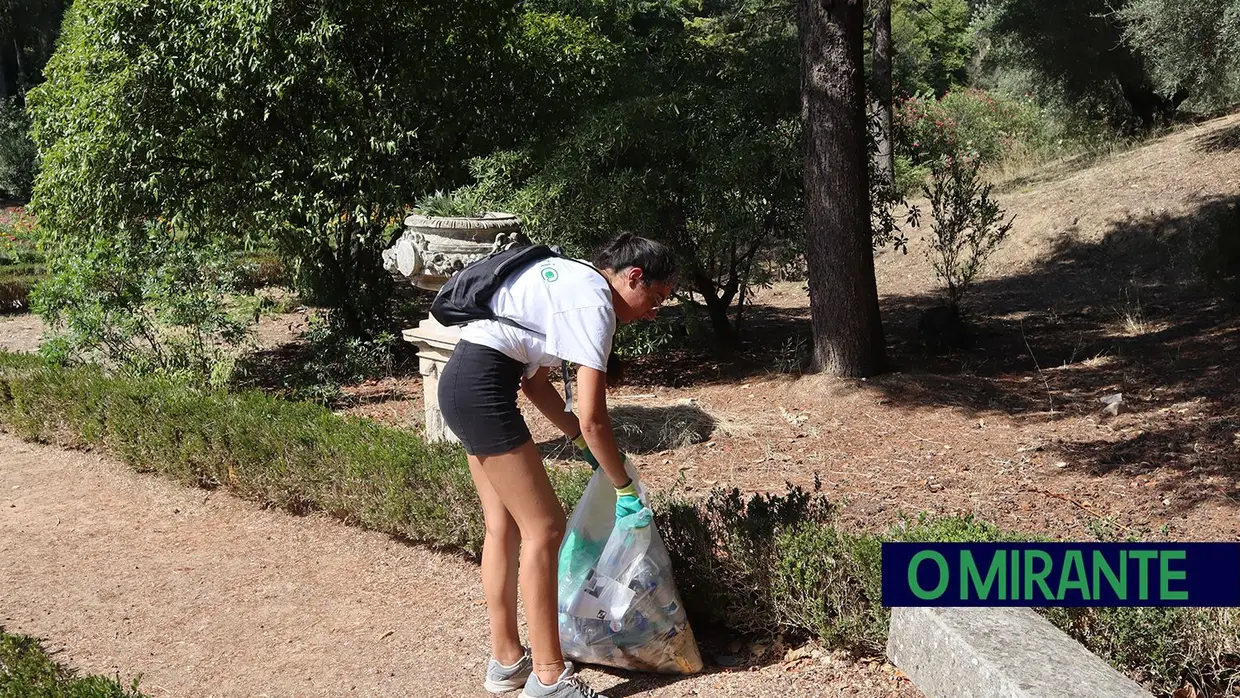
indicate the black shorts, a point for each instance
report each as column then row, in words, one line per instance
column 478, row 397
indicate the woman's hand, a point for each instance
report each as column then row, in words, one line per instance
column 628, row 503
column 596, row 426
column 580, row 442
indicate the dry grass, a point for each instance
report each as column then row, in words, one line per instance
column 644, row 429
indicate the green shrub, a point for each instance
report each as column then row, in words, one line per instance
column 990, row 126
column 910, row 175
column 828, row 584
column 1161, row 647
column 726, row 550
column 146, row 302
column 27, row 671
column 17, row 152
column 993, row 126
column 17, row 239
column 966, row 224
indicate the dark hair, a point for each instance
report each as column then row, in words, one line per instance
column 628, row 250
column 615, row 370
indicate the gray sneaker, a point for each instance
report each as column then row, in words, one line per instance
column 568, row 686
column 501, row 679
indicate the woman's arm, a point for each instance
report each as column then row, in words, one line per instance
column 596, row 425
column 546, row 398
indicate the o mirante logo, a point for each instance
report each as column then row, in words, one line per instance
column 1061, row 574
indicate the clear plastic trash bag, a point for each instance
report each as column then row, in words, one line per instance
column 618, row 603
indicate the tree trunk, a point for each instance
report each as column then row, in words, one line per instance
column 717, row 304
column 4, row 80
column 884, row 155
column 720, row 322
column 21, row 74
column 848, row 331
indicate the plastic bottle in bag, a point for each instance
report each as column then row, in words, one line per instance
column 617, row 595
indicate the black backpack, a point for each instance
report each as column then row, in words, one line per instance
column 467, row 295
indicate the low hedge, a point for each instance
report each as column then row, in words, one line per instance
column 27, row 671
column 757, row 564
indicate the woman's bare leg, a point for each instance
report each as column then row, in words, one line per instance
column 521, row 483
column 499, row 569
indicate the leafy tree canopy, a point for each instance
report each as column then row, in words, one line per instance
column 932, row 45
column 1189, row 45
column 697, row 143
column 306, row 125
column 1075, row 50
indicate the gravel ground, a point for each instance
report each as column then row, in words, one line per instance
column 205, row 595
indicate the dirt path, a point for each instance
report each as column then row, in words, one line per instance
column 208, row 596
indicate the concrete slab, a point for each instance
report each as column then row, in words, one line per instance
column 998, row 653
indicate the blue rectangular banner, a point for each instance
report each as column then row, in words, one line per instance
column 1061, row 574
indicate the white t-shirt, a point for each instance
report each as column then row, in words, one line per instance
column 568, row 306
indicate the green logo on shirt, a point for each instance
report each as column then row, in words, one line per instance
column 550, row 274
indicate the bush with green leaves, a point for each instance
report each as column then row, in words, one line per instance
column 27, row 670
column 17, row 152
column 966, row 224
column 726, row 551
column 150, row 301
column 1161, row 647
column 988, row 125
column 335, row 358
column 306, row 127
column 18, row 245
column 21, row 262
column 673, row 328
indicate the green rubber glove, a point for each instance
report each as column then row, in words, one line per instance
column 628, row 504
column 580, row 441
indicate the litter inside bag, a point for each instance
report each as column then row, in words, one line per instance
column 618, row 601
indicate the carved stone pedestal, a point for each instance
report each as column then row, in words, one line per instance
column 429, row 252
column 435, row 344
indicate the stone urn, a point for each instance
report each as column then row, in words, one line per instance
column 427, row 254
column 433, row 248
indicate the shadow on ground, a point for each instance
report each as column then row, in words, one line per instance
column 644, row 430
column 1220, row 141
column 1151, row 311
column 773, row 341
